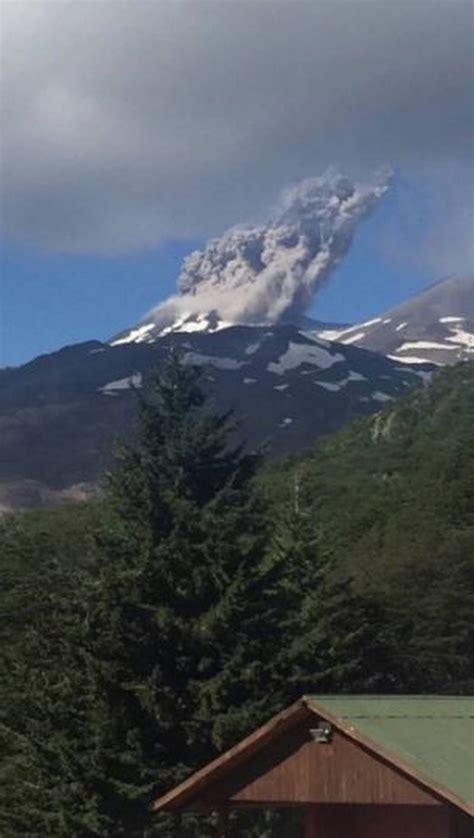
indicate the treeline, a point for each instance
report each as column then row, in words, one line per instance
column 142, row 634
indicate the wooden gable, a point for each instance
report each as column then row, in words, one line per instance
column 287, row 763
column 295, row 770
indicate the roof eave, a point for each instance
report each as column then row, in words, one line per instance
column 352, row 732
column 177, row 798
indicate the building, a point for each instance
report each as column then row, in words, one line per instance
column 397, row 766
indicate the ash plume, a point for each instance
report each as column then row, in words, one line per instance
column 268, row 273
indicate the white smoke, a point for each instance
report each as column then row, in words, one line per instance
column 262, row 274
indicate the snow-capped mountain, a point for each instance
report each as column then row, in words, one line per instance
column 239, row 314
column 61, row 413
column 267, row 273
column 209, row 322
column 436, row 326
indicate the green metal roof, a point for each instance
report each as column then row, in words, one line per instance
column 434, row 735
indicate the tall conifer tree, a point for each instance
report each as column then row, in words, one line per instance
column 179, row 617
column 329, row 634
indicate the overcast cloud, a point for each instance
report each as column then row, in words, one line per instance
column 129, row 123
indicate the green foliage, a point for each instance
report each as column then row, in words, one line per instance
column 329, row 631
column 141, row 634
column 50, row 756
column 177, row 622
column 393, row 497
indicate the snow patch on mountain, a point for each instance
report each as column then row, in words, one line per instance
column 196, row 359
column 412, row 359
column 354, row 338
column 381, row 397
column 353, row 376
column 253, row 347
column 346, row 335
column 113, row 387
column 460, row 336
column 422, row 344
column 329, row 385
column 136, row 335
column 304, row 353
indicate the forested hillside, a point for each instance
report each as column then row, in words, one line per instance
column 392, row 501
column 143, row 633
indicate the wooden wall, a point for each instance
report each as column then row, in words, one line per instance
column 297, row 770
column 387, row 821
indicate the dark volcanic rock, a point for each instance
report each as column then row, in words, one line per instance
column 61, row 413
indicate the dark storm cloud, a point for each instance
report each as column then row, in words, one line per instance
column 127, row 123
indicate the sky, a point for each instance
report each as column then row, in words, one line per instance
column 133, row 132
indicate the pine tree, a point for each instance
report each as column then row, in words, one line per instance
column 330, row 638
column 197, row 610
column 53, row 720
column 177, row 620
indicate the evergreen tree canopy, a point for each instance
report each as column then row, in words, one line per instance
column 141, row 634
column 53, row 717
column 178, row 618
column 393, row 498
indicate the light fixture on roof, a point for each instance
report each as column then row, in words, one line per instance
column 322, row 734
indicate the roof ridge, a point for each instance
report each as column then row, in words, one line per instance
column 406, row 716
column 390, row 696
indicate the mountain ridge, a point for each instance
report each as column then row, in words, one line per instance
column 61, row 413
column 435, row 326
column 441, row 315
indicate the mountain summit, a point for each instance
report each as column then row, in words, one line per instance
column 265, row 274
column 60, row 414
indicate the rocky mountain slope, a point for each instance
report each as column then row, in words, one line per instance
column 61, row 413
column 436, row 326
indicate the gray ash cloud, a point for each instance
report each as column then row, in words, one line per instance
column 266, row 273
